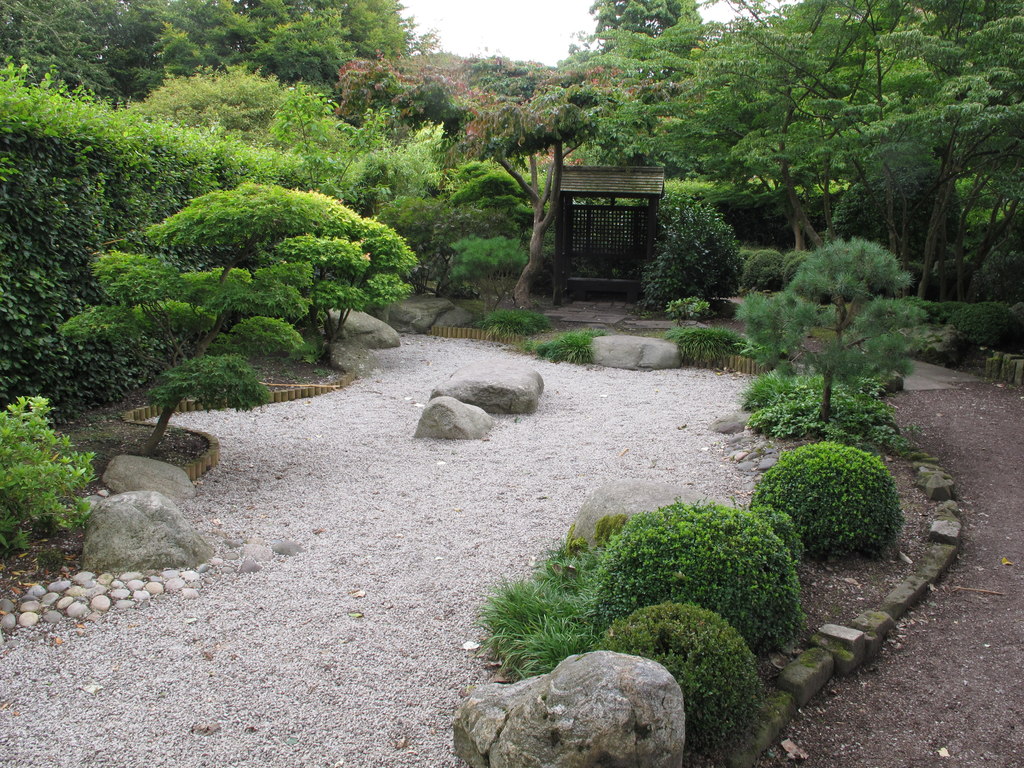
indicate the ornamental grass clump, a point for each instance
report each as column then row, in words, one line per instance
column 727, row 560
column 570, row 347
column 841, row 499
column 706, row 656
column 515, row 322
column 705, row 345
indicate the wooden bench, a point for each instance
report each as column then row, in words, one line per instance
column 579, row 287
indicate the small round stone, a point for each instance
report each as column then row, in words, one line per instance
column 231, row 556
column 75, row 591
column 100, row 603
column 64, row 602
column 49, row 599
column 189, row 593
column 35, row 591
column 154, row 588
column 99, row 589
column 105, row 579
column 249, row 566
column 32, row 606
column 170, row 573
column 83, row 577
column 116, row 584
column 52, row 617
column 286, row 547
column 28, row 619
column 61, row 585
column 77, row 610
column 134, row 584
column 215, row 561
column 120, row 593
column 130, row 576
column 175, row 585
column 189, row 576
column 6, row 605
column 94, row 616
column 124, row 604
column 203, row 568
column 141, row 596
column 8, row 622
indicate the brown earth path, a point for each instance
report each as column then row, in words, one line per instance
column 948, row 690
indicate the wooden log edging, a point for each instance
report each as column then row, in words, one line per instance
column 211, row 456
column 737, row 363
column 478, row 334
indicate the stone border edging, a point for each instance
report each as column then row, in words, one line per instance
column 211, row 456
column 1005, row 367
column 839, row 650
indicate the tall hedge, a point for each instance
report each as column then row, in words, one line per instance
column 77, row 176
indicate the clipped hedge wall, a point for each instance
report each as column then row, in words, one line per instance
column 77, row 176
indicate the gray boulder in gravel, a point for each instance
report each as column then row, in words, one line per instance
column 730, row 424
column 449, row 419
column 139, row 531
column 138, row 473
column 636, row 353
column 496, row 386
column 350, row 356
column 418, row 314
column 369, row 332
column 627, row 497
column 597, row 709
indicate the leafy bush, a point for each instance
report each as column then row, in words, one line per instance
column 840, row 498
column 569, row 347
column 695, row 253
column 706, row 656
column 491, row 265
column 515, row 322
column 705, row 345
column 537, row 622
column 791, row 262
column 986, row 324
column 857, row 418
column 39, row 474
column 726, row 560
column 937, row 312
column 690, row 308
column 763, row 271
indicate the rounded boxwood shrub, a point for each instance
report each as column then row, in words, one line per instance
column 727, row 560
column 841, row 499
column 706, row 656
column 985, row 324
column 763, row 271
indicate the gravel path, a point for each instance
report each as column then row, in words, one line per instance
column 272, row 668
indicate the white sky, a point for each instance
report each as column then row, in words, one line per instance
column 530, row 30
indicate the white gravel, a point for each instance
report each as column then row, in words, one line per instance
column 270, row 669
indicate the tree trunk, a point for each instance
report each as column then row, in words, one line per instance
column 826, row 397
column 158, row 431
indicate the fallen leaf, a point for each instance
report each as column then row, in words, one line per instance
column 205, row 729
column 357, row 593
column 793, row 752
column 470, row 645
column 318, row 531
column 92, row 688
column 1004, row 561
column 355, row 615
column 624, row 451
column 402, row 743
column 58, row 641
column 943, row 752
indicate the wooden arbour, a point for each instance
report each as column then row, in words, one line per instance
column 612, row 237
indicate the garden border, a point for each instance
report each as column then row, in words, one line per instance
column 211, row 456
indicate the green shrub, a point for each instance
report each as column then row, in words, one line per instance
column 535, row 623
column 706, row 656
column 726, row 560
column 763, row 271
column 986, row 324
column 857, row 418
column 695, row 253
column 39, row 475
column 705, row 345
column 690, row 308
column 491, row 265
column 791, row 262
column 840, row 498
column 515, row 322
column 569, row 347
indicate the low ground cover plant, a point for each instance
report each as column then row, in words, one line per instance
column 569, row 347
column 705, row 345
column 707, row 657
column 40, row 475
column 690, row 308
column 515, row 322
column 841, row 499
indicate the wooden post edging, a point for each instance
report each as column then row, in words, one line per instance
column 478, row 334
column 211, row 456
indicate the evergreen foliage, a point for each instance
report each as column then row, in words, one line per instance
column 705, row 345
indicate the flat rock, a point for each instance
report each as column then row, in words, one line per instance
column 496, row 386
column 141, row 530
column 418, row 314
column 627, row 497
column 635, row 353
column 446, row 418
column 138, row 473
column 730, row 424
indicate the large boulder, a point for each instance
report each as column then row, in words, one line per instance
column 418, row 314
column 636, row 353
column 599, row 709
column 450, row 419
column 497, row 386
column 369, row 332
column 350, row 356
column 627, row 498
column 139, row 531
column 138, row 473
column 939, row 344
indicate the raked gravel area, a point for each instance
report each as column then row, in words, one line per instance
column 350, row 653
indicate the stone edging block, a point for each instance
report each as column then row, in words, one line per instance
column 806, row 675
column 775, row 715
column 846, row 645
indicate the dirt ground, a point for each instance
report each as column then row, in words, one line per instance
column 947, row 690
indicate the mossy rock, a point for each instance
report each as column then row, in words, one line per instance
column 623, row 499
